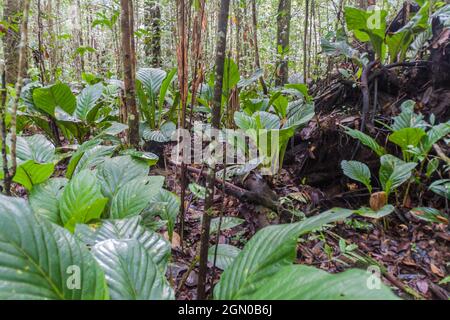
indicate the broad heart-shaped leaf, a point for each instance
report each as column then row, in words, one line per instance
column 225, row 255
column 250, row 80
column 147, row 157
column 369, row 213
column 82, row 200
column 394, row 172
column 244, row 121
column 297, row 282
column 78, row 154
column 57, row 95
column 131, row 273
column 408, row 118
column 441, row 187
column 87, row 100
column 36, row 148
column 231, row 76
column 133, row 197
column 89, row 158
column 115, row 172
column 164, row 204
column 435, row 134
column 152, row 79
column 366, row 140
column 266, row 120
column 357, row 171
column 44, row 199
column 227, row 223
column 265, row 253
column 299, row 115
column 368, row 25
column 407, row 137
column 39, row 260
column 30, row 173
column 130, row 228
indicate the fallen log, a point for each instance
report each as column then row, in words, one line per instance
column 258, row 194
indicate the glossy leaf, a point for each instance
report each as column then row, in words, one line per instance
column 44, row 199
column 225, row 255
column 357, row 171
column 265, row 253
column 82, row 200
column 131, row 273
column 30, row 173
column 297, row 282
column 39, row 260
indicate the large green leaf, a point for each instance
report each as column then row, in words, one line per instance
column 87, row 100
column 130, row 228
column 407, row 138
column 39, row 260
column 133, row 197
column 265, row 253
column 227, row 223
column 165, row 204
column 299, row 115
column 266, row 120
column 115, row 172
column 394, row 172
column 297, row 282
column 152, row 79
column 244, row 121
column 357, row 171
column 44, row 199
column 51, row 97
column 225, row 255
column 408, row 118
column 231, row 76
column 89, row 158
column 78, row 154
column 435, row 134
column 369, row 213
column 82, row 200
column 164, row 88
column 31, row 173
column 441, row 187
column 130, row 271
column 36, row 148
column 366, row 140
column 368, row 25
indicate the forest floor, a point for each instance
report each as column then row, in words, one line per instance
column 412, row 255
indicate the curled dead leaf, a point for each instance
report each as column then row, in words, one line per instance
column 176, row 240
column 378, row 200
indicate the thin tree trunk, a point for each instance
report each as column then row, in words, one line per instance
column 255, row 43
column 3, row 128
column 283, row 31
column 305, row 43
column 183, row 71
column 129, row 76
column 152, row 43
column 215, row 122
column 11, row 14
column 19, row 84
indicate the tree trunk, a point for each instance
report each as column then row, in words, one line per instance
column 11, row 14
column 305, row 43
column 215, row 122
column 23, row 45
column 255, row 41
column 152, row 42
column 283, row 31
column 129, row 76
